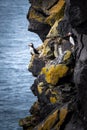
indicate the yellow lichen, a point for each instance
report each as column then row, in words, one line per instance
column 56, row 12
column 46, row 48
column 40, row 87
column 62, row 116
column 53, row 73
column 67, row 55
column 53, row 31
column 48, row 123
column 53, row 99
column 34, row 15
column 54, row 120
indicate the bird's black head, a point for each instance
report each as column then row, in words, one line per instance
column 31, row 45
column 69, row 34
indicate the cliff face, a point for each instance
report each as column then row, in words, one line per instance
column 42, row 15
column 60, row 67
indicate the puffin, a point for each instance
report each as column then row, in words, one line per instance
column 60, row 54
column 33, row 50
column 71, row 38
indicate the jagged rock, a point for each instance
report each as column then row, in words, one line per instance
column 51, row 96
column 61, row 80
column 77, row 16
column 54, row 120
column 74, row 123
column 64, row 27
column 36, row 64
column 42, row 15
column 47, row 50
column 80, row 79
column 53, row 31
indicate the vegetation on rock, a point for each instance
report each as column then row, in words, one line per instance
column 59, row 104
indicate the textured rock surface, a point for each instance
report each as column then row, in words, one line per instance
column 36, row 63
column 61, row 92
column 42, row 15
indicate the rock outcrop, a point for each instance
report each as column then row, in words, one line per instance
column 60, row 67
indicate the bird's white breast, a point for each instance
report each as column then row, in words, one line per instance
column 31, row 50
column 72, row 41
column 60, row 50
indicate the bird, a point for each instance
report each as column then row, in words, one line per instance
column 60, row 50
column 71, row 37
column 33, row 50
column 60, row 54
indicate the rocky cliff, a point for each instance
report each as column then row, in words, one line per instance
column 60, row 65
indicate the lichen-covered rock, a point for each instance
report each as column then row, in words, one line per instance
column 52, row 93
column 56, row 12
column 54, row 73
column 42, row 15
column 47, row 50
column 61, row 85
column 54, row 120
column 53, row 31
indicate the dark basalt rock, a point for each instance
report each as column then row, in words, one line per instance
column 71, row 89
column 64, row 27
column 38, row 14
column 80, row 78
column 43, row 3
column 38, row 28
column 39, row 79
column 76, row 16
column 37, row 65
column 74, row 123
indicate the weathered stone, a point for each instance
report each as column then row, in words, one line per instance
column 54, row 73
column 43, row 3
column 61, row 83
column 56, row 12
column 54, row 120
column 42, row 15
column 36, row 64
column 47, row 50
column 64, row 27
